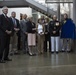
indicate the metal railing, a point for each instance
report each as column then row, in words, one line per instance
column 42, row 6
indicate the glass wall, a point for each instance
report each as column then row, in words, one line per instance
column 51, row 6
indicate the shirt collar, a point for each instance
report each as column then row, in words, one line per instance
column 4, row 15
column 24, row 19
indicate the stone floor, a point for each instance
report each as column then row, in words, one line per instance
column 46, row 64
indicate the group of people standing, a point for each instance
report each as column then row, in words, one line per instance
column 45, row 34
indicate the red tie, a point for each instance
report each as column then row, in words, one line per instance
column 6, row 18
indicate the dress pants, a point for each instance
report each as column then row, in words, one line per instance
column 19, row 42
column 4, row 47
column 24, row 43
column 47, row 39
column 40, row 43
column 66, row 44
column 54, row 44
column 14, row 43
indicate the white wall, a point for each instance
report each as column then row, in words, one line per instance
column 71, row 11
column 27, row 11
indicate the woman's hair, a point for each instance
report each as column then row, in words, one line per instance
column 66, row 14
column 47, row 19
column 39, row 20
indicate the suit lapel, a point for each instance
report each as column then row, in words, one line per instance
column 24, row 22
column 6, row 18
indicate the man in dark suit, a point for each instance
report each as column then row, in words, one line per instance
column 5, row 32
column 23, row 28
column 16, row 32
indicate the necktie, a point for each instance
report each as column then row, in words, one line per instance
column 6, row 18
column 14, row 22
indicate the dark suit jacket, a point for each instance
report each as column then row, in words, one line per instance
column 54, row 26
column 5, row 24
column 23, row 26
column 18, row 25
column 30, row 26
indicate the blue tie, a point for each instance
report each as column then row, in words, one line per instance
column 14, row 22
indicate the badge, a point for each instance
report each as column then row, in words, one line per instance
column 57, row 23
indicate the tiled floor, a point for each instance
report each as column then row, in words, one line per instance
column 46, row 64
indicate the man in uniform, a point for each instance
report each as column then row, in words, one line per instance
column 54, row 29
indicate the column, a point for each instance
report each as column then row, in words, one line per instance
column 74, row 11
column 58, row 12
column 74, row 19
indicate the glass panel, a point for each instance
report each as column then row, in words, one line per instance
column 53, row 6
column 41, row 1
column 50, row 6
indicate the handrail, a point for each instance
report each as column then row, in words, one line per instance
column 43, row 7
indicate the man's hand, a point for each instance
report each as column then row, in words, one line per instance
column 26, row 33
column 54, row 32
column 8, row 32
column 34, row 29
column 16, row 29
column 46, row 32
column 42, row 33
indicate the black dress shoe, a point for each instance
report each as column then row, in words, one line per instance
column 34, row 54
column 11, row 54
column 8, row 59
column 2, row 61
column 68, row 51
column 57, row 52
column 27, row 52
column 62, row 51
column 30, row 54
column 52, row 52
column 16, row 52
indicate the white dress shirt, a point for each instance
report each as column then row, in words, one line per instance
column 40, row 28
